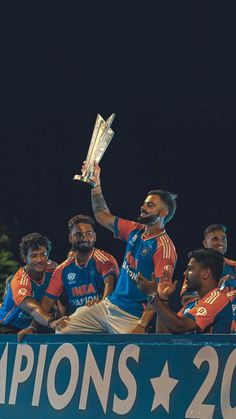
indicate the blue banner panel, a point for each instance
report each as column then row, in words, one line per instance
column 118, row 376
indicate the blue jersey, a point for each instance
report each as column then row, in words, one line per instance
column 229, row 288
column 85, row 282
column 145, row 255
column 21, row 287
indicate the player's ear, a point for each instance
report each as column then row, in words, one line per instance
column 163, row 213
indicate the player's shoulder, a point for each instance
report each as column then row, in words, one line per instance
column 51, row 266
column 64, row 264
column 230, row 262
column 102, row 256
column 215, row 296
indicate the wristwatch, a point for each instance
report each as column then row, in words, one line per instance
column 151, row 297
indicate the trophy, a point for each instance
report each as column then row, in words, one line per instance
column 102, row 135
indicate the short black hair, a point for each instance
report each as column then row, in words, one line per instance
column 34, row 241
column 214, row 227
column 169, row 199
column 209, row 258
column 86, row 219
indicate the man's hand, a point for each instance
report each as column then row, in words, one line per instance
column 60, row 323
column 92, row 302
column 96, row 173
column 28, row 331
column 165, row 286
column 146, row 286
column 138, row 329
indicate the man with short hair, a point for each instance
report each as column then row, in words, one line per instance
column 209, row 313
column 85, row 278
column 28, row 285
column 215, row 237
column 149, row 249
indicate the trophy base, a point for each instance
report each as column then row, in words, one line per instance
column 84, row 180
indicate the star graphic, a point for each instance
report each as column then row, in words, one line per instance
column 163, row 386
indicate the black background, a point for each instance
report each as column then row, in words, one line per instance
column 166, row 70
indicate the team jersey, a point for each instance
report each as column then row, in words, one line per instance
column 212, row 313
column 82, row 283
column 145, row 255
column 21, row 287
column 228, row 287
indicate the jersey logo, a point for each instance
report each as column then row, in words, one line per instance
column 22, row 291
column 71, row 276
column 145, row 251
column 201, row 311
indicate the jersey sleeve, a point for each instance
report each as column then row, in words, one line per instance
column 165, row 255
column 106, row 264
column 206, row 311
column 21, row 287
column 55, row 287
column 122, row 228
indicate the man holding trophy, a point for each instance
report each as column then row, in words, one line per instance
column 149, row 250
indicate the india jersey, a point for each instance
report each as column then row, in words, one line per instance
column 82, row 283
column 212, row 313
column 229, row 288
column 21, row 287
column 145, row 255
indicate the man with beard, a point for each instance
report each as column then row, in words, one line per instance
column 215, row 237
column 210, row 312
column 28, row 285
column 149, row 249
column 85, row 278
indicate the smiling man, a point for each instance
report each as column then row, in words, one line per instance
column 149, row 249
column 28, row 285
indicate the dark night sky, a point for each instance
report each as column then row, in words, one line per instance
column 168, row 72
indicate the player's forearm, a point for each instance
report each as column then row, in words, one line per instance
column 36, row 312
column 169, row 319
column 101, row 210
column 109, row 287
column 146, row 318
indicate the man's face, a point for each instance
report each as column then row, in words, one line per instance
column 216, row 240
column 193, row 275
column 82, row 237
column 36, row 259
column 152, row 209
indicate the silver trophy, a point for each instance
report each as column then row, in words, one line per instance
column 102, row 135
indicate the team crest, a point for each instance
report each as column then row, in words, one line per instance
column 145, row 251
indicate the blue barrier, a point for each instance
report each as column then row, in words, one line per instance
column 114, row 376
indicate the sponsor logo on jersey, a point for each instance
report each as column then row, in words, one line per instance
column 22, row 291
column 201, row 311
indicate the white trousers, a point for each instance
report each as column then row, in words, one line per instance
column 103, row 317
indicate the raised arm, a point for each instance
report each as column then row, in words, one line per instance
column 100, row 208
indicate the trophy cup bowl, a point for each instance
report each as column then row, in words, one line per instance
column 101, row 137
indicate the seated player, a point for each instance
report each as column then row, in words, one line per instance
column 210, row 312
column 215, row 237
column 28, row 285
column 86, row 277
